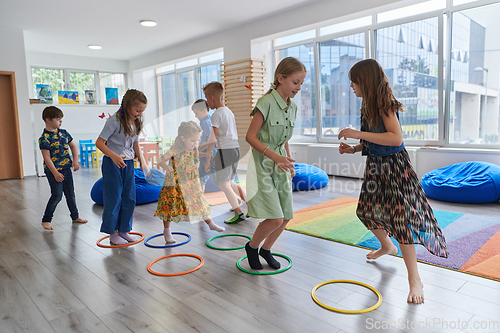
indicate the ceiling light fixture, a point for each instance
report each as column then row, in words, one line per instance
column 148, row 23
column 95, row 47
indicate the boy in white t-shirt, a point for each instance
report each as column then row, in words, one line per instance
column 225, row 135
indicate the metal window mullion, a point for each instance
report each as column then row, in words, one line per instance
column 317, row 69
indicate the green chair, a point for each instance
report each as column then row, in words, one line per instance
column 165, row 144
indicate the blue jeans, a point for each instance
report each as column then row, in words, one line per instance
column 56, row 192
column 118, row 190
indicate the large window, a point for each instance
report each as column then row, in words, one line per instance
column 475, row 50
column 441, row 58
column 339, row 106
column 409, row 55
column 90, row 85
column 305, row 124
column 180, row 85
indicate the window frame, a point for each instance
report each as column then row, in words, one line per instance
column 67, row 84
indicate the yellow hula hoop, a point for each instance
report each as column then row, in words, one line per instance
column 379, row 301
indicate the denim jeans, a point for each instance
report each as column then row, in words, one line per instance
column 56, row 192
column 118, row 189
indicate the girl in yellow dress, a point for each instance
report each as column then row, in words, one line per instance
column 181, row 198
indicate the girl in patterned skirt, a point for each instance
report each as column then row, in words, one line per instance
column 392, row 202
column 181, row 198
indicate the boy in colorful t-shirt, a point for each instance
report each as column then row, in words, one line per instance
column 57, row 163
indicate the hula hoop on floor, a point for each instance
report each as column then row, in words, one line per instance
column 122, row 245
column 176, row 255
column 266, row 273
column 172, row 245
column 379, row 301
column 227, row 248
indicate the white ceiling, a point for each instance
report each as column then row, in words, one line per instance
column 68, row 27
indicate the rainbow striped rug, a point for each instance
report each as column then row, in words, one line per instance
column 473, row 241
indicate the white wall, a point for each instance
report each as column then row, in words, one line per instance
column 13, row 59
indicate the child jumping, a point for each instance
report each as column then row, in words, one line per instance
column 392, row 201
column 57, row 163
column 271, row 127
column 228, row 149
column 119, row 142
column 181, row 198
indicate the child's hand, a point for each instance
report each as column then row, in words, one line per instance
column 59, row 177
column 118, row 160
column 207, row 165
column 346, row 149
column 349, row 133
column 76, row 166
column 146, row 171
column 168, row 168
column 285, row 163
column 206, row 154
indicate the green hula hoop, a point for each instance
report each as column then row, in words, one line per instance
column 266, row 273
column 227, row 248
column 379, row 296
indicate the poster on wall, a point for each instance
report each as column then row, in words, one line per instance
column 68, row 97
column 44, row 93
column 111, row 95
column 90, row 97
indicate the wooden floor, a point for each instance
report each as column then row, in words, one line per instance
column 61, row 281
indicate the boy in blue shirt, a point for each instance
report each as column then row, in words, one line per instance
column 54, row 143
column 200, row 109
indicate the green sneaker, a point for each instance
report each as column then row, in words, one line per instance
column 247, row 216
column 237, row 218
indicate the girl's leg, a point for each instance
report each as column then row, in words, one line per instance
column 416, row 294
column 238, row 190
column 385, row 242
column 264, row 229
column 211, row 224
column 230, row 195
column 167, row 233
column 265, row 250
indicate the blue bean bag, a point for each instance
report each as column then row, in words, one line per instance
column 468, row 182
column 308, row 177
column 146, row 190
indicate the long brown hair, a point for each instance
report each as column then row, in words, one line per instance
column 376, row 91
column 288, row 66
column 186, row 129
column 131, row 98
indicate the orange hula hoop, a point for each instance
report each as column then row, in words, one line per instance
column 176, row 255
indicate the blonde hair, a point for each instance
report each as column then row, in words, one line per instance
column 376, row 91
column 186, row 129
column 287, row 67
column 214, row 88
column 131, row 98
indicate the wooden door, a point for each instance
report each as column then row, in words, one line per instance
column 11, row 165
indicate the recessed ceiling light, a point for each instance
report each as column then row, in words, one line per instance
column 95, row 47
column 148, row 23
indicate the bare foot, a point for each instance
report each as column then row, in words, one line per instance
column 416, row 294
column 47, row 226
column 80, row 220
column 380, row 252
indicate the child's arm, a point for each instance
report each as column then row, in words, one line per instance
column 285, row 163
column 344, row 148
column 142, row 162
column 74, row 151
column 393, row 136
column 48, row 162
column 290, row 156
column 117, row 159
column 210, row 147
column 163, row 162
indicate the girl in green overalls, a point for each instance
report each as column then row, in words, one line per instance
column 270, row 169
